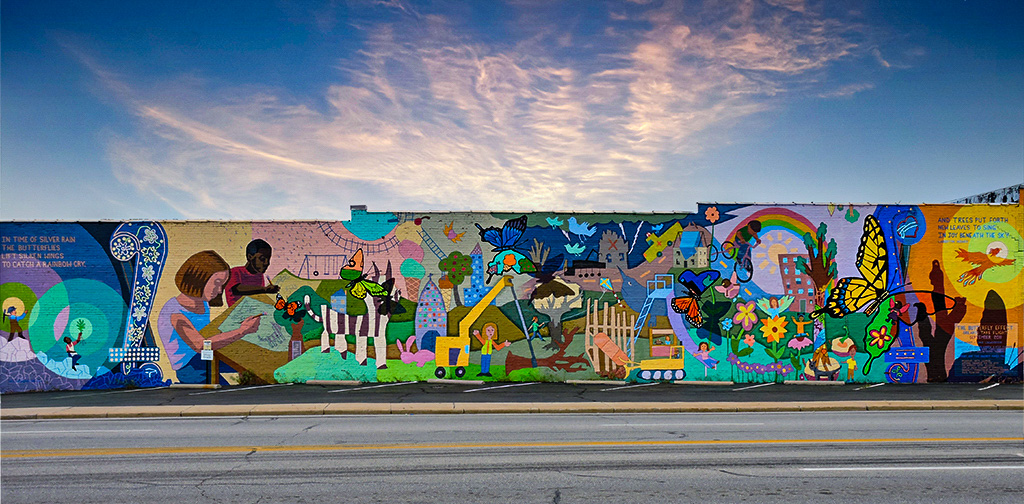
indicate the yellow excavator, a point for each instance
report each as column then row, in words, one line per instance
column 453, row 351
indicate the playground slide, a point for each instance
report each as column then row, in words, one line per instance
column 685, row 338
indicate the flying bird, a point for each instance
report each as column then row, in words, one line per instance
column 575, row 249
column 582, row 228
column 451, row 234
column 982, row 262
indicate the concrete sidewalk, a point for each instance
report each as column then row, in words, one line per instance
column 244, row 410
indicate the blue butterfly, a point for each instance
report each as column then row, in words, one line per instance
column 505, row 238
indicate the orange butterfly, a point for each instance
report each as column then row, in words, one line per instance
column 690, row 308
column 290, row 308
column 689, row 305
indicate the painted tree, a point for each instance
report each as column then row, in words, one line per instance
column 821, row 266
column 457, row 267
column 554, row 299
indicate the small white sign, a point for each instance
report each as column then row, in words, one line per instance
column 206, row 355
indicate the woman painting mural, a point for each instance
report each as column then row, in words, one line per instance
column 201, row 282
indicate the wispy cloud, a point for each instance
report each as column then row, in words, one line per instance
column 427, row 117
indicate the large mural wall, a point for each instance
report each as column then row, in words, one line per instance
column 743, row 293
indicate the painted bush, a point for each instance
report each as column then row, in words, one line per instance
column 749, row 293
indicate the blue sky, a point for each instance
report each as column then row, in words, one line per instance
column 291, row 110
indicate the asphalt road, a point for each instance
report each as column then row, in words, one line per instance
column 921, row 456
column 419, row 392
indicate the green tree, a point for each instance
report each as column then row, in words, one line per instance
column 457, row 266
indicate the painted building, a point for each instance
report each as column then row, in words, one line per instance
column 891, row 293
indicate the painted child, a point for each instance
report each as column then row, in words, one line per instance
column 488, row 346
column 249, row 279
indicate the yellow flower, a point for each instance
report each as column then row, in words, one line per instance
column 774, row 328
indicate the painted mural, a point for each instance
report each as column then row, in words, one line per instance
column 743, row 293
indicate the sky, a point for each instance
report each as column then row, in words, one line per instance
column 296, row 110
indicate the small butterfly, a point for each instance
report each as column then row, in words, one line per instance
column 290, row 309
column 359, row 286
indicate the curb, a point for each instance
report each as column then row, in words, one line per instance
column 246, row 410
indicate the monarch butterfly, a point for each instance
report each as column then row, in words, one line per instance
column 689, row 306
column 290, row 309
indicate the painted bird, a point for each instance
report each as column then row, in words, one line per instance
column 581, row 228
column 982, row 261
column 554, row 221
column 575, row 249
column 451, row 234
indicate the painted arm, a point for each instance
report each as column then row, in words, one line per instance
column 479, row 338
column 195, row 340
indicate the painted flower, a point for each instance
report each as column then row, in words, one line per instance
column 726, row 325
column 150, row 254
column 774, row 328
column 148, row 272
column 139, row 313
column 122, row 248
column 745, row 315
column 799, row 343
column 142, row 293
column 880, row 337
column 711, row 214
column 150, row 236
column 748, row 339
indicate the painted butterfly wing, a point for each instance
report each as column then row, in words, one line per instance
column 505, row 238
column 512, row 231
column 689, row 307
column 280, row 303
column 872, row 256
column 292, row 307
column 851, row 293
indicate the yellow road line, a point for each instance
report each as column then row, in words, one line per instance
column 171, row 450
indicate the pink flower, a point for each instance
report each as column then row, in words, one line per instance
column 745, row 315
column 748, row 339
column 799, row 342
column 880, row 337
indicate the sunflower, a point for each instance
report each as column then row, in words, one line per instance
column 774, row 328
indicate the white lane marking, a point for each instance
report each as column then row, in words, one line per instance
column 754, row 386
column 990, row 386
column 629, row 386
column 243, row 388
column 708, row 424
column 869, row 386
column 371, row 387
column 119, row 431
column 500, row 386
column 125, row 391
column 912, row 468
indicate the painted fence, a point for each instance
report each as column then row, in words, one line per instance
column 748, row 293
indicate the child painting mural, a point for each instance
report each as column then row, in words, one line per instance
column 201, row 280
column 249, row 279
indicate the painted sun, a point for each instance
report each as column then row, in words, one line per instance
column 773, row 245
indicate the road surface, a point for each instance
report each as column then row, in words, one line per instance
column 864, row 456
